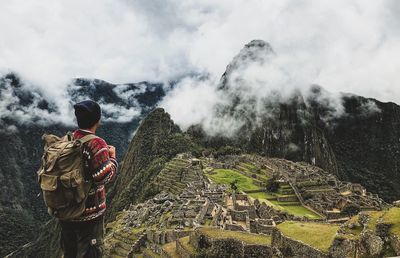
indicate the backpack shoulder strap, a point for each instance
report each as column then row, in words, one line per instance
column 87, row 138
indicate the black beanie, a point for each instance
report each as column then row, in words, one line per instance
column 87, row 113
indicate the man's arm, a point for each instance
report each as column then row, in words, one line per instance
column 103, row 162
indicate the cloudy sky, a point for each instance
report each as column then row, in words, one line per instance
column 343, row 45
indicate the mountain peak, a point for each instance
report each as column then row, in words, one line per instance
column 258, row 43
column 255, row 52
column 157, row 140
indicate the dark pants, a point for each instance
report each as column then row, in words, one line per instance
column 82, row 239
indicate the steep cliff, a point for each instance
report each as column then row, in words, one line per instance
column 367, row 146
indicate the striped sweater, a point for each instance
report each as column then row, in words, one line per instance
column 102, row 169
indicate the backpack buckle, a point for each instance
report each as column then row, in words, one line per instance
column 77, row 143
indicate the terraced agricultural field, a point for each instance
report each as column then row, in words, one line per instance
column 227, row 176
column 252, row 171
column 246, row 183
column 317, row 235
column 291, row 205
column 120, row 242
column 248, row 238
column 171, row 178
column 297, row 210
column 261, row 196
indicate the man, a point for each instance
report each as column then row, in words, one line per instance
column 83, row 237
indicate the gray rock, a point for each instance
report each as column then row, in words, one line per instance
column 363, row 219
column 371, row 244
column 342, row 247
column 397, row 203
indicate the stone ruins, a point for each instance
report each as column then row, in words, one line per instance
column 193, row 215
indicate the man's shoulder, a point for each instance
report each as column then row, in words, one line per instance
column 96, row 143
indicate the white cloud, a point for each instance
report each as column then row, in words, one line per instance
column 192, row 101
column 120, row 114
column 345, row 45
column 26, row 109
column 127, row 94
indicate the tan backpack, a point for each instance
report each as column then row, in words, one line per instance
column 62, row 176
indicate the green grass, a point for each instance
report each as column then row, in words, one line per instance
column 290, row 204
column 170, row 249
column 393, row 217
column 251, row 169
column 317, row 235
column 248, row 165
column 150, row 253
column 284, row 195
column 354, row 233
column 297, row 210
column 373, row 220
column 186, row 245
column 291, row 208
column 261, row 195
column 227, row 176
column 208, row 222
column 248, row 238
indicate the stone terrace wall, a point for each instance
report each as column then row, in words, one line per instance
column 239, row 215
column 288, row 198
column 250, row 209
column 257, row 251
column 258, row 228
column 233, row 227
column 203, row 211
column 395, row 243
column 164, row 237
column 240, row 197
column 228, row 247
column 182, row 251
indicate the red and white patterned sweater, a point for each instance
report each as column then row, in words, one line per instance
column 102, row 169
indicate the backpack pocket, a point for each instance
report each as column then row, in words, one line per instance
column 71, row 179
column 52, row 194
column 75, row 185
column 48, row 182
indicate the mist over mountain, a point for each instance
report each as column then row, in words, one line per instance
column 264, row 107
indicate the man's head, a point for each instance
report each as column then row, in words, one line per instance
column 87, row 114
